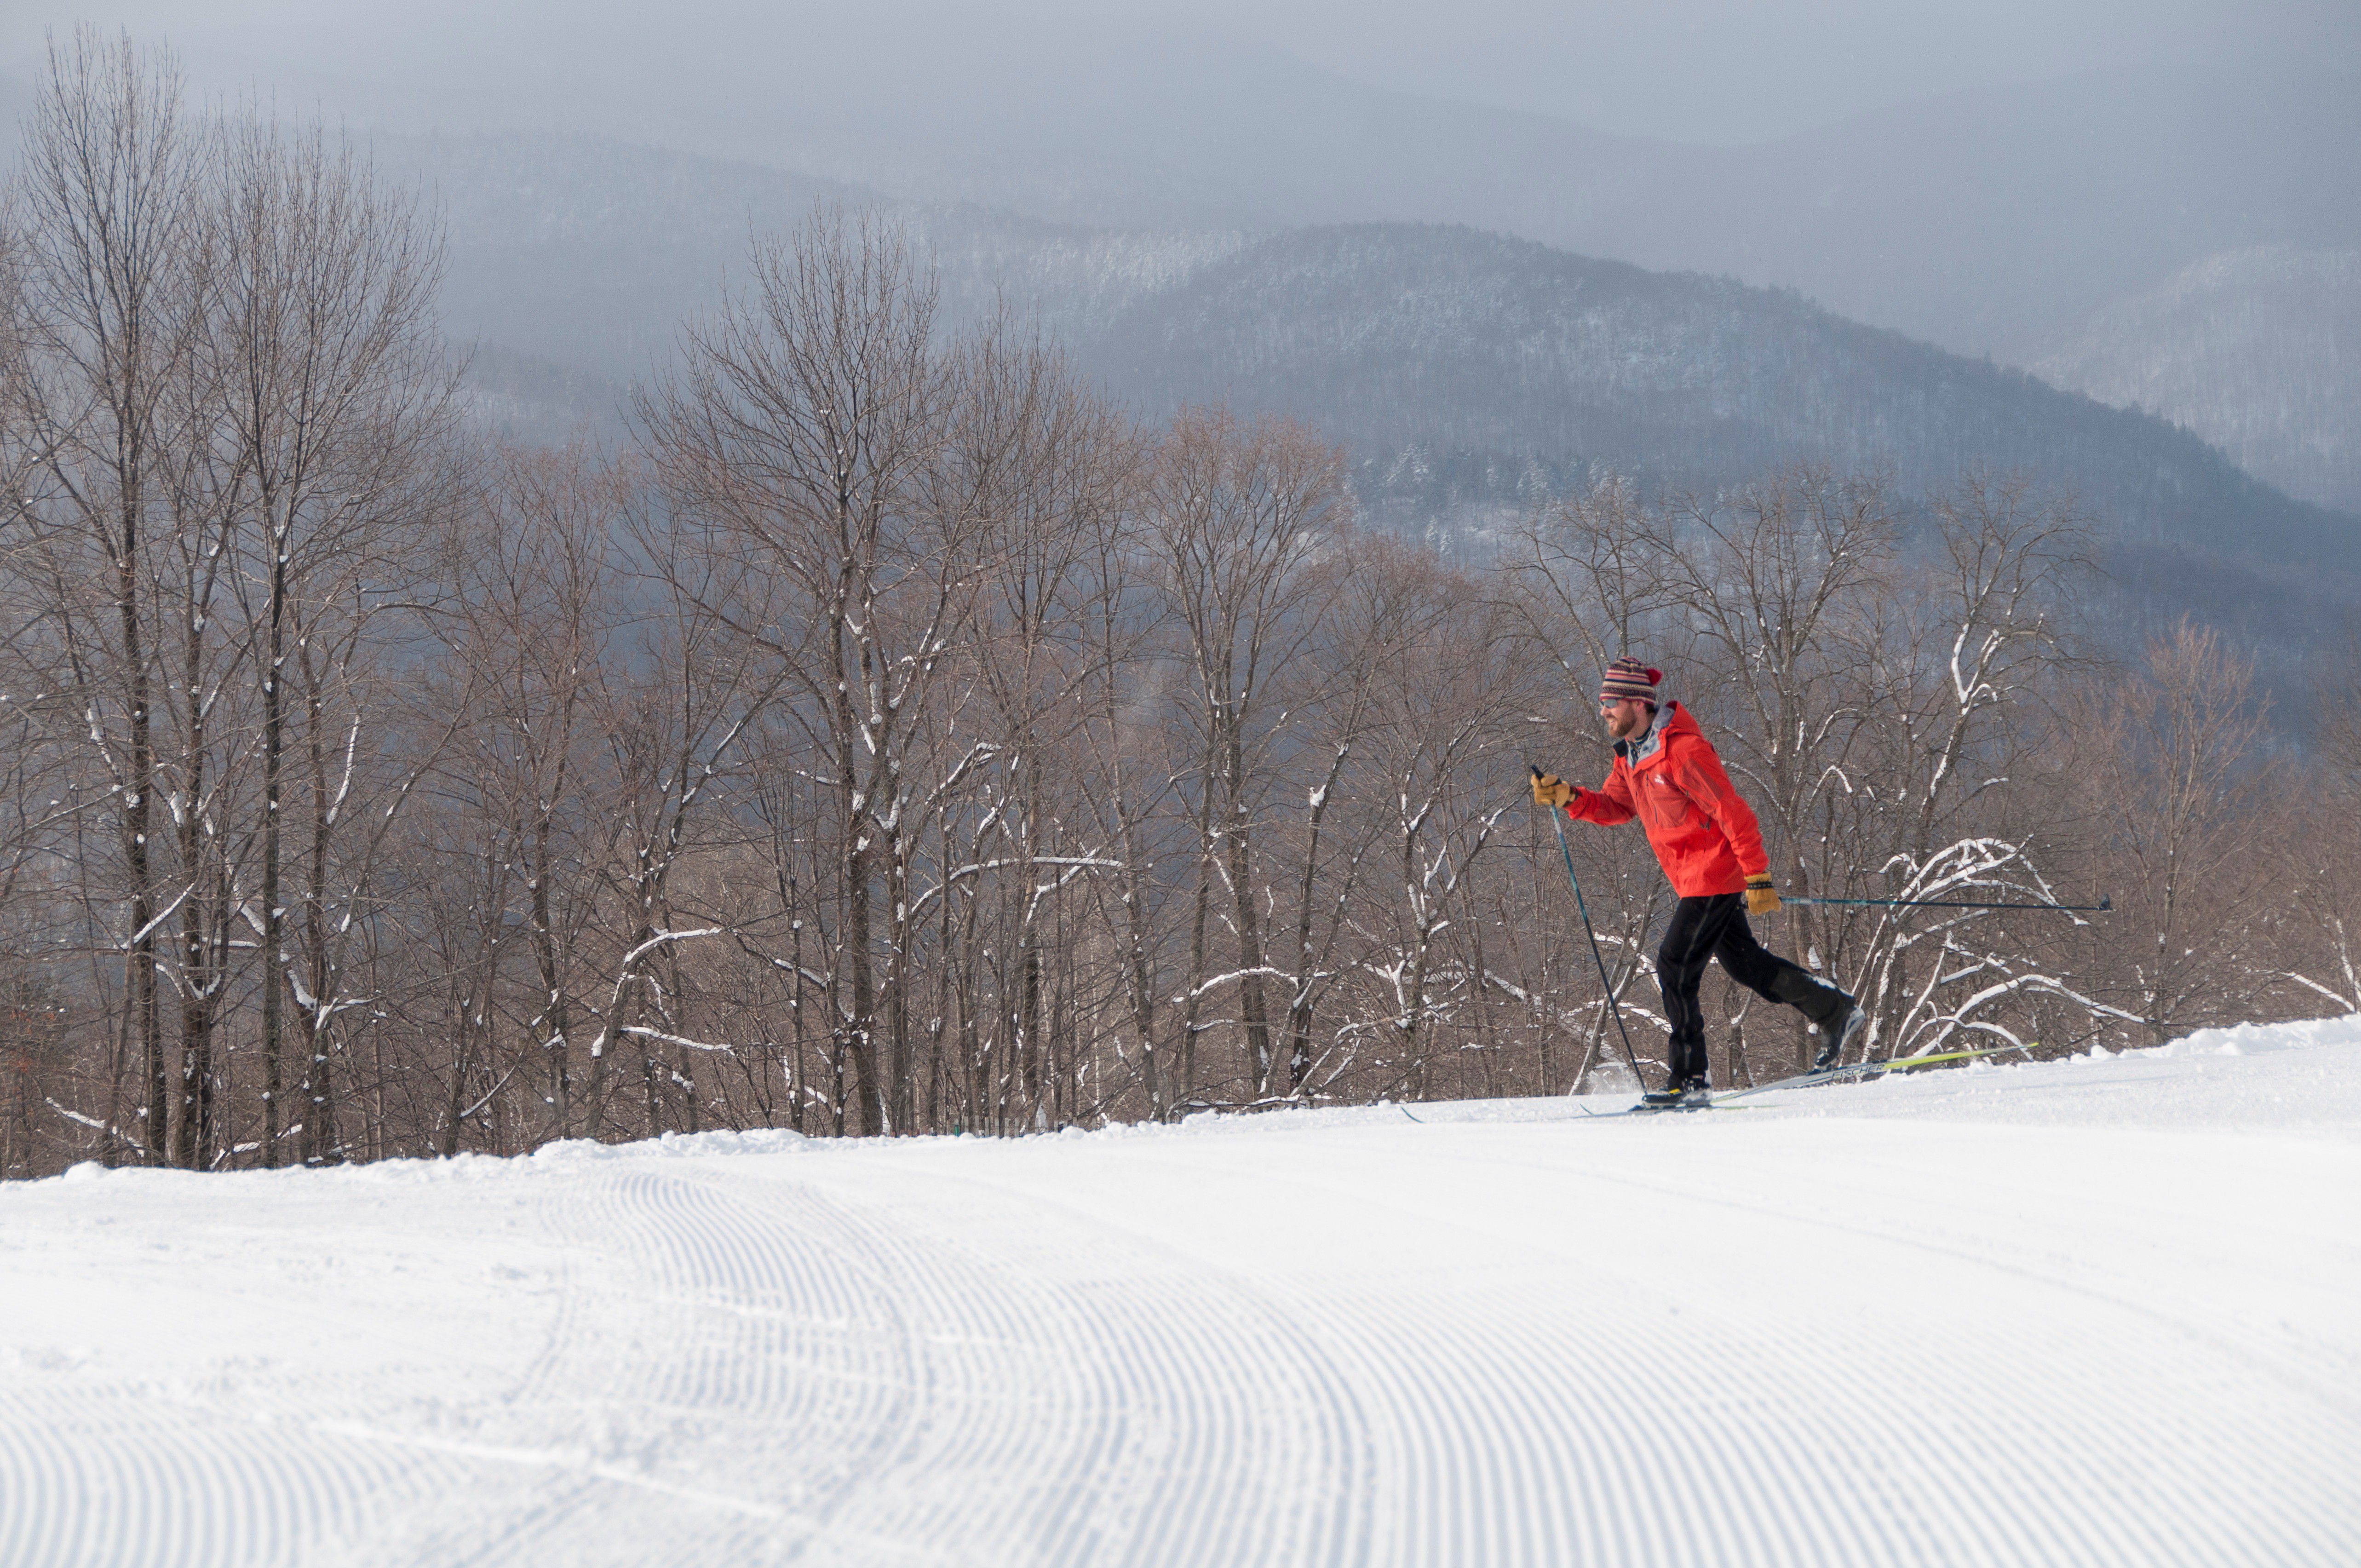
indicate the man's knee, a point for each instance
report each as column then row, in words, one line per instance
column 1679, row 976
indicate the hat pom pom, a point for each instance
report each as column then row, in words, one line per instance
column 1655, row 676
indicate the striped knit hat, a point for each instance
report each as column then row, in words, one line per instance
column 1628, row 677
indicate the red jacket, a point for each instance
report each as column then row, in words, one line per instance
column 1704, row 837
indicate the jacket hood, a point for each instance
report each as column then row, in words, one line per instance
column 1671, row 718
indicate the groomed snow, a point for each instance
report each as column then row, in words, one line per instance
column 2105, row 1311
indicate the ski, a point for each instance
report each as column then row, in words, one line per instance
column 1876, row 1069
column 1644, row 1108
column 1808, row 1081
column 1590, row 1115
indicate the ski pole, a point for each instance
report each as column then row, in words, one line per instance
column 1637, row 1076
column 2105, row 903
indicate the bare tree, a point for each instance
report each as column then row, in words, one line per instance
column 338, row 408
column 1770, row 580
column 801, row 442
column 109, row 226
column 2321, row 846
column 676, row 717
column 1047, row 470
column 535, row 613
column 1124, row 695
column 1970, row 647
column 2176, row 778
column 1586, row 579
column 1242, row 512
column 1453, row 684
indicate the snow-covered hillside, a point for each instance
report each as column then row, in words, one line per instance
column 2258, row 351
column 2098, row 1310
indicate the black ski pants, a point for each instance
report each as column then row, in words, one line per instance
column 1715, row 927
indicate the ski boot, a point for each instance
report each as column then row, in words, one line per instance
column 1839, row 1034
column 1689, row 1094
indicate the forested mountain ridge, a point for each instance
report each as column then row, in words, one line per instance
column 2258, row 351
column 1988, row 220
column 1508, row 364
column 1467, row 371
column 1444, row 342
column 2010, row 220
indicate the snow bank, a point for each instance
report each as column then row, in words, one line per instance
column 2249, row 1039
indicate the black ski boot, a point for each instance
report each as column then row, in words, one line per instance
column 1689, row 1094
column 1837, row 1035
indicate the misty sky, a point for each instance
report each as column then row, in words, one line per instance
column 1692, row 70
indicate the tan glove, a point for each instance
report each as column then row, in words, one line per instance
column 1551, row 791
column 1762, row 898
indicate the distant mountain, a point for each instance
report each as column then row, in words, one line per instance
column 1991, row 221
column 1986, row 221
column 591, row 253
column 526, row 401
column 1468, row 372
column 1394, row 336
column 1458, row 364
column 2258, row 351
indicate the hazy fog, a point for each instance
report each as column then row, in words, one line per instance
column 707, row 71
column 2118, row 190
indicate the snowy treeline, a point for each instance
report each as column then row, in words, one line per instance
column 898, row 737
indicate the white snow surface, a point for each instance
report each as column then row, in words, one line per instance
column 2104, row 1311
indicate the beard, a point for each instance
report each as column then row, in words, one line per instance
column 1625, row 724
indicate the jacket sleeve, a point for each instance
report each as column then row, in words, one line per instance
column 1607, row 805
column 1700, row 774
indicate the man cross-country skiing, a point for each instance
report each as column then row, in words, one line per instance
column 1706, row 838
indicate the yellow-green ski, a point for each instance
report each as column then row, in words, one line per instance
column 1875, row 1068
